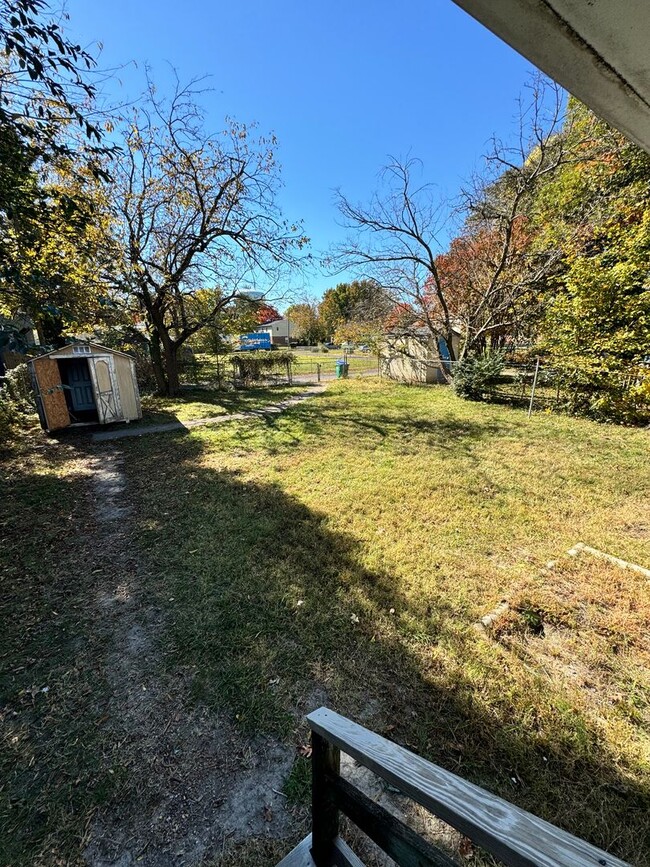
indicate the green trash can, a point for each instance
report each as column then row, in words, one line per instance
column 342, row 368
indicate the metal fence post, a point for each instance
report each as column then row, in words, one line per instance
column 532, row 391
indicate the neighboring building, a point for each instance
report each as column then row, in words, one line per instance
column 416, row 356
column 85, row 383
column 280, row 331
column 17, row 336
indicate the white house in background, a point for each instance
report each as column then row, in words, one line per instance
column 279, row 330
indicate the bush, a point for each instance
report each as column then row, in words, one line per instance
column 16, row 400
column 144, row 372
column 476, row 375
column 616, row 394
column 613, row 398
column 252, row 365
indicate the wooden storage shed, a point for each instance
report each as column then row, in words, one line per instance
column 85, row 383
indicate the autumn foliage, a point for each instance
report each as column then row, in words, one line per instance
column 266, row 313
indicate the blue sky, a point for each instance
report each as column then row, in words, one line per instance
column 341, row 84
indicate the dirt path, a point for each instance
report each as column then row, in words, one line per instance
column 192, row 784
column 195, row 784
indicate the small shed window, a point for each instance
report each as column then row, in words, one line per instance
column 81, row 350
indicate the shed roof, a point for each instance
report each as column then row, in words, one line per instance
column 418, row 331
column 270, row 322
column 95, row 346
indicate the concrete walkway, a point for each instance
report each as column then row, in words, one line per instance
column 271, row 409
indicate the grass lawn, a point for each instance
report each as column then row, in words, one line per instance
column 341, row 553
column 345, row 550
column 195, row 403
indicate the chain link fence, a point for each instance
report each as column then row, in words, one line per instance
column 213, row 372
column 604, row 395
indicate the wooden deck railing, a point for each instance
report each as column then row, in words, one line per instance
column 511, row 835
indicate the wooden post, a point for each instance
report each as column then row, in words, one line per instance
column 532, row 391
column 325, row 759
column 318, row 370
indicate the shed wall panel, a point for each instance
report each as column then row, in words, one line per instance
column 128, row 396
column 48, row 377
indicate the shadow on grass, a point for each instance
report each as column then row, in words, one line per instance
column 191, row 404
column 213, row 402
column 326, row 415
column 52, row 687
column 277, row 614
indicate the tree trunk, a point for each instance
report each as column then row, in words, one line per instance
column 157, row 362
column 171, row 367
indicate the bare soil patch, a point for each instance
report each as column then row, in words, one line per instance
column 195, row 784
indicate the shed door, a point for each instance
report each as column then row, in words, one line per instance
column 107, row 398
column 50, row 393
column 80, row 384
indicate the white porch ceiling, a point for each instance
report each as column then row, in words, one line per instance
column 599, row 50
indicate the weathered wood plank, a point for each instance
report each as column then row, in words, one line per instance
column 300, row 856
column 325, row 762
column 624, row 564
column 516, row 837
column 342, row 855
column 403, row 845
column 52, row 396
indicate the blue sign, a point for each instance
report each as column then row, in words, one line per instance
column 255, row 340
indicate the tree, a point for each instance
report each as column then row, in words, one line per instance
column 596, row 316
column 192, row 209
column 492, row 306
column 265, row 313
column 349, row 302
column 50, row 148
column 306, row 325
column 51, row 244
column 394, row 241
column 44, row 80
column 478, row 285
column 359, row 332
